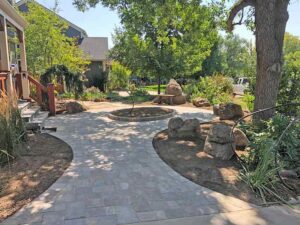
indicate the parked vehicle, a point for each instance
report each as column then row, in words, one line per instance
column 241, row 85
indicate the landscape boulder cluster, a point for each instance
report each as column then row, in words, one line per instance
column 220, row 141
column 173, row 88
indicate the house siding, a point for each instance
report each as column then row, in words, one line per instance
column 70, row 32
column 96, row 76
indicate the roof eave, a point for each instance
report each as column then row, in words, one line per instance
column 12, row 14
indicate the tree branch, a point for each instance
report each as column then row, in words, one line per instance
column 239, row 6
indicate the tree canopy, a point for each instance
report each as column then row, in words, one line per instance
column 232, row 56
column 46, row 43
column 162, row 38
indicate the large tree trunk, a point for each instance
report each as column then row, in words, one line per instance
column 271, row 17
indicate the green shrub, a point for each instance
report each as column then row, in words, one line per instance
column 93, row 94
column 12, row 129
column 216, row 89
column 248, row 99
column 67, row 95
column 260, row 169
column 189, row 90
column 140, row 92
column 118, row 77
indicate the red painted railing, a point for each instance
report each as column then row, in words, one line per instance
column 18, row 85
column 3, row 77
column 44, row 96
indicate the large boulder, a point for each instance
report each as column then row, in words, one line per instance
column 219, row 142
column 240, row 138
column 221, row 151
column 173, row 88
column 216, row 110
column 74, row 107
column 230, row 111
column 220, row 133
column 179, row 100
column 175, row 123
column 201, row 102
column 183, row 129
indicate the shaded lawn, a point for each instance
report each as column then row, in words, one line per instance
column 154, row 88
column 115, row 97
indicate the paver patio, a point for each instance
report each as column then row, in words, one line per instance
column 116, row 177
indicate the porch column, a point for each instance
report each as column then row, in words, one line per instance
column 5, row 64
column 24, row 74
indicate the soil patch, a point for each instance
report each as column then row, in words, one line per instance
column 186, row 157
column 142, row 112
column 42, row 161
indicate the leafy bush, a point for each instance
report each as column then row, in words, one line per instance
column 67, row 95
column 62, row 75
column 216, row 89
column 260, row 169
column 118, row 77
column 140, row 92
column 93, row 94
column 249, row 100
column 96, row 77
column 12, row 129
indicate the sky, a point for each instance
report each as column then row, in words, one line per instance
column 101, row 21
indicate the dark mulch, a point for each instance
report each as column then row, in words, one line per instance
column 41, row 162
column 142, row 112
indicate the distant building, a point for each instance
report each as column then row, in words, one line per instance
column 73, row 31
column 96, row 48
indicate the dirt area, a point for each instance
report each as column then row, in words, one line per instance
column 41, row 162
column 186, row 157
column 142, row 112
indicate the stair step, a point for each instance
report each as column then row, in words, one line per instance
column 29, row 113
column 23, row 105
column 38, row 121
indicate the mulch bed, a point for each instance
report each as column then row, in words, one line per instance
column 186, row 157
column 142, row 112
column 42, row 161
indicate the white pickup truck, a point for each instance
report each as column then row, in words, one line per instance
column 241, row 85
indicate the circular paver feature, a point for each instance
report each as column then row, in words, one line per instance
column 142, row 114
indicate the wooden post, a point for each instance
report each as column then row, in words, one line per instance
column 39, row 94
column 19, row 88
column 5, row 63
column 51, row 99
column 24, row 80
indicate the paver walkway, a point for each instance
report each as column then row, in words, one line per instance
column 116, row 177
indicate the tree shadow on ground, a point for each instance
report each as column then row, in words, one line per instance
column 116, row 172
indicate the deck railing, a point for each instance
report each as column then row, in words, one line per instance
column 44, row 96
column 3, row 77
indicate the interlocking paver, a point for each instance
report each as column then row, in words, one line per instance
column 116, row 177
column 102, row 220
column 152, row 216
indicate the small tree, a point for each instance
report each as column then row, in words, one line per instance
column 46, row 43
column 61, row 74
column 161, row 38
column 118, row 77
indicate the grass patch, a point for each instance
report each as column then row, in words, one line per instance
column 154, row 88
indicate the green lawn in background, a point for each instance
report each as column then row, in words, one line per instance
column 154, row 88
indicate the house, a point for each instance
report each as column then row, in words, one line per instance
column 96, row 49
column 13, row 67
column 15, row 81
column 73, row 31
